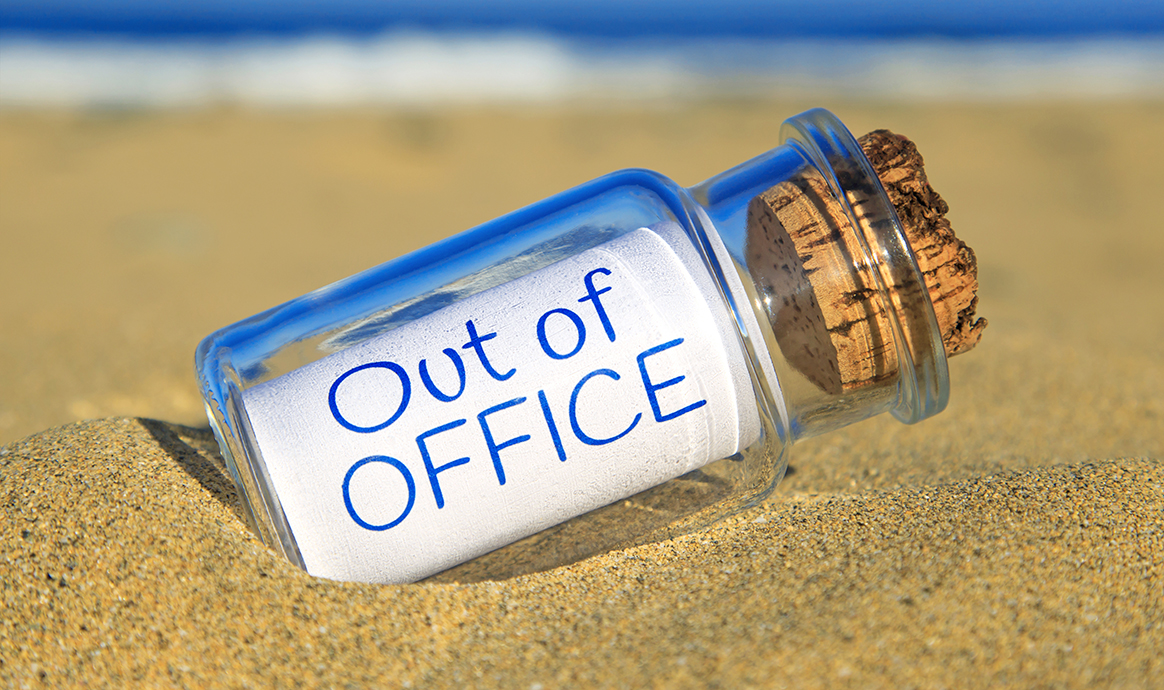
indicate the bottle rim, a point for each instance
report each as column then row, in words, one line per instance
column 923, row 387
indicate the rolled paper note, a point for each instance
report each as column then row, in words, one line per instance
column 585, row 382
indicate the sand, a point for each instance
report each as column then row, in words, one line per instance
column 1015, row 540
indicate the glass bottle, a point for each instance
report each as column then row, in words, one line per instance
column 619, row 363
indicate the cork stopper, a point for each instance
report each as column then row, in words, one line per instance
column 836, row 331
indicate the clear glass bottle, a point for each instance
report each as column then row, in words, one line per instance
column 615, row 364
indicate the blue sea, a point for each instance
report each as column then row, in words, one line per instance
column 353, row 52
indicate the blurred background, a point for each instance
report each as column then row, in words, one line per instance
column 141, row 53
column 167, row 168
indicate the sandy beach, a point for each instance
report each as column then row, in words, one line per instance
column 1015, row 540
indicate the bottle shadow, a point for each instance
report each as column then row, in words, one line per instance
column 196, row 452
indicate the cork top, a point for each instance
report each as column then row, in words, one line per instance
column 824, row 303
column 947, row 263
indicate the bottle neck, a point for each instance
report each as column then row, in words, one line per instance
column 844, row 312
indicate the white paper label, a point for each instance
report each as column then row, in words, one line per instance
column 515, row 409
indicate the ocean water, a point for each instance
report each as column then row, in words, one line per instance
column 417, row 68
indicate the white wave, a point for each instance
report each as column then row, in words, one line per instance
column 421, row 69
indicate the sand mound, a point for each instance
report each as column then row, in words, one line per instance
column 125, row 561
